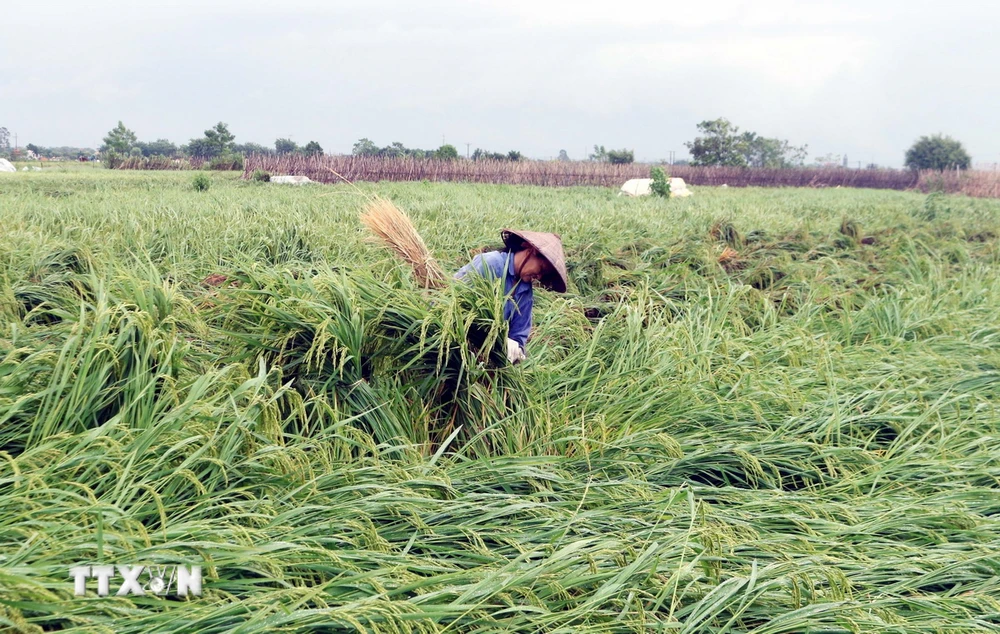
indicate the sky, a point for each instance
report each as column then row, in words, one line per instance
column 865, row 79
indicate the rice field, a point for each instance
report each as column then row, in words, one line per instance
column 755, row 410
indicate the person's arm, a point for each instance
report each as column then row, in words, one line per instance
column 477, row 264
column 520, row 320
column 481, row 265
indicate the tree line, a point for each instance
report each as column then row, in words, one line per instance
column 217, row 141
column 720, row 143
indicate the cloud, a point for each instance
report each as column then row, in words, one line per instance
column 852, row 77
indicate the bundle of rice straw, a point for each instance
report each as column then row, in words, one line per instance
column 398, row 233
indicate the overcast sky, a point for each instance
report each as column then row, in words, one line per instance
column 863, row 79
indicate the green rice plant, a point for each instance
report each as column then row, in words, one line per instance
column 242, row 382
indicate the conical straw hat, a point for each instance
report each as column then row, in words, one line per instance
column 549, row 246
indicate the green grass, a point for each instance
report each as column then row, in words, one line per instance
column 801, row 437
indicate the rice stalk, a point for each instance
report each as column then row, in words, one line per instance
column 397, row 232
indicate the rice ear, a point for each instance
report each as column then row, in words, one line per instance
column 397, row 232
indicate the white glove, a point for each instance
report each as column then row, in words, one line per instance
column 514, row 352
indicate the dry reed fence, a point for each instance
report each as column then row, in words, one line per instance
column 328, row 169
column 157, row 163
column 976, row 183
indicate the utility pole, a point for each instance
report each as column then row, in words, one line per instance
column 467, row 144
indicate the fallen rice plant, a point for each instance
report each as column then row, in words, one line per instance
column 709, row 450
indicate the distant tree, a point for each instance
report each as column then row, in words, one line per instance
column 312, row 149
column 4, row 139
column 252, row 148
column 446, row 152
column 364, row 147
column 761, row 151
column 393, row 150
column 719, row 145
column 722, row 144
column 159, row 147
column 485, row 155
column 198, row 148
column 218, row 140
column 937, row 152
column 620, row 157
column 120, row 140
column 600, row 154
column 563, row 156
column 31, row 147
column 285, row 146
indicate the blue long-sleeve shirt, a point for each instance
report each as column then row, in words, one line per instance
column 520, row 298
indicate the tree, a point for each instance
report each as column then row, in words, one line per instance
column 563, row 156
column 620, row 157
column 285, row 146
column 600, row 154
column 393, row 150
column 720, row 145
column 31, row 147
column 313, row 149
column 120, row 140
column 198, row 148
column 159, row 147
column 761, row 151
column 4, row 139
column 364, row 147
column 218, row 140
column 485, row 155
column 446, row 152
column 252, row 148
column 937, row 152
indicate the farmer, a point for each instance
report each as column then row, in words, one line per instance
column 528, row 256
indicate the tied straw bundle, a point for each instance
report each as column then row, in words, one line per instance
column 397, row 232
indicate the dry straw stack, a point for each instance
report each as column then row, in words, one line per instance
column 394, row 228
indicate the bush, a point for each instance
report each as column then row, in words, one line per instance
column 261, row 176
column 112, row 160
column 202, row 182
column 661, row 182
